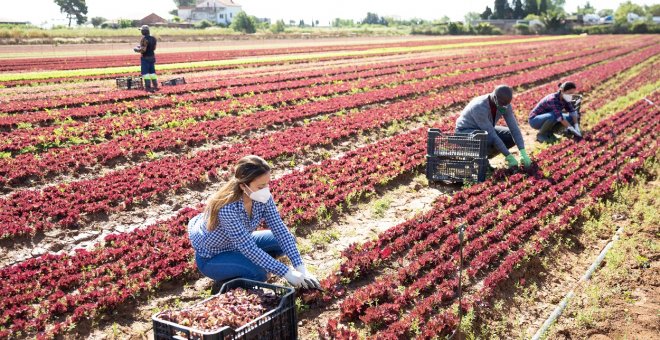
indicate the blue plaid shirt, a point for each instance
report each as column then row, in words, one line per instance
column 552, row 103
column 234, row 233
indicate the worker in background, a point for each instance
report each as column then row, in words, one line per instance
column 483, row 112
column 224, row 237
column 148, row 59
column 548, row 116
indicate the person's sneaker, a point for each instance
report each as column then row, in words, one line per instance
column 549, row 138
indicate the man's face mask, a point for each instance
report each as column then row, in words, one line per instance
column 500, row 108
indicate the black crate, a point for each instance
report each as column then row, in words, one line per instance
column 173, row 82
column 280, row 323
column 457, row 156
column 130, row 83
column 462, row 145
column 440, row 168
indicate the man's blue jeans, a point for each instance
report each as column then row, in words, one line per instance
column 233, row 264
column 537, row 121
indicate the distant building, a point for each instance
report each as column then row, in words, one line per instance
column 152, row 19
column 217, row 11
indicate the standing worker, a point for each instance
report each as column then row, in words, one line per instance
column 483, row 112
column 224, row 236
column 547, row 116
column 148, row 59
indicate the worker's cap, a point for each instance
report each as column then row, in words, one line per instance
column 503, row 95
column 144, row 28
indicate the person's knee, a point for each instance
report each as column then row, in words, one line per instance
column 257, row 275
column 266, row 240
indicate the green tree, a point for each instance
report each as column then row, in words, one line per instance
column 531, row 7
column 518, row 11
column 621, row 14
column 180, row 3
column 605, row 12
column 243, row 23
column 371, row 19
column 203, row 24
column 455, row 28
column 554, row 21
column 471, row 16
column 338, row 22
column 279, row 27
column 556, row 5
column 587, row 9
column 543, row 7
column 653, row 10
column 97, row 21
column 487, row 14
column 73, row 9
column 502, row 10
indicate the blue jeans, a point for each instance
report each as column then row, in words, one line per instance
column 537, row 121
column 233, row 264
column 147, row 65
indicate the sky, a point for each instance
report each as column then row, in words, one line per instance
column 40, row 11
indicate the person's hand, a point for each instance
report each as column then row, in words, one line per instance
column 524, row 158
column 577, row 128
column 511, row 161
column 573, row 131
column 295, row 278
column 310, row 280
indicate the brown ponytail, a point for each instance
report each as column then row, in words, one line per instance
column 247, row 170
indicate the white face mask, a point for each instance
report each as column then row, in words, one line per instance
column 568, row 97
column 261, row 196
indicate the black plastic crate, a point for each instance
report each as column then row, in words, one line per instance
column 462, row 145
column 440, row 168
column 130, row 83
column 173, row 82
column 280, row 323
column 457, row 156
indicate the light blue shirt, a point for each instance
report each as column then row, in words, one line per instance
column 234, row 233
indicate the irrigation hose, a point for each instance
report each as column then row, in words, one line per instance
column 564, row 302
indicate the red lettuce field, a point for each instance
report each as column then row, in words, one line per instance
column 97, row 184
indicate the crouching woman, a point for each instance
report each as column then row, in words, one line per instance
column 226, row 242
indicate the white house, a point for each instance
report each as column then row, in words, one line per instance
column 591, row 19
column 632, row 17
column 218, row 11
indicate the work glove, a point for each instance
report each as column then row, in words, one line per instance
column 512, row 161
column 295, row 278
column 311, row 280
column 524, row 158
column 573, row 131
